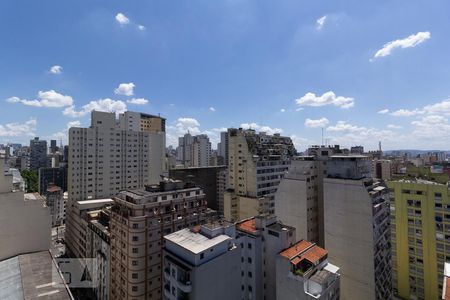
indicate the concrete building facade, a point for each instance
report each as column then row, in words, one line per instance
column 25, row 220
column 38, row 154
column 420, row 237
column 260, row 239
column 194, row 257
column 357, row 235
column 257, row 163
column 139, row 220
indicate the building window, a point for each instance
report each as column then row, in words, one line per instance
column 134, row 263
column 249, row 246
column 202, row 255
column 134, row 288
column 135, row 238
column 134, row 275
column 134, row 250
column 249, row 260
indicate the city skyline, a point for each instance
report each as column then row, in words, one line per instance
column 363, row 72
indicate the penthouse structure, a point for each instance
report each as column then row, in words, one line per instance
column 303, row 272
column 256, row 164
column 192, row 258
column 139, row 220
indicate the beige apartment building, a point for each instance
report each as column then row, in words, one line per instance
column 256, row 164
column 139, row 221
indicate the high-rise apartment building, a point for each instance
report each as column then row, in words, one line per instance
column 56, row 203
column 139, row 220
column 446, row 282
column 303, row 272
column 194, row 151
column 420, row 237
column 112, row 155
column 356, row 226
column 193, row 258
column 53, row 147
column 382, row 169
column 52, row 176
column 38, row 154
column 257, row 163
column 222, row 147
column 210, row 179
column 260, row 239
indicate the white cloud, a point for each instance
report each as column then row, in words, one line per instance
column 49, row 98
column 282, row 110
column 432, row 127
column 442, row 107
column 56, row 70
column 300, row 142
column 322, row 122
column 349, row 134
column 406, row 113
column 126, row 89
column 320, row 22
column 141, row 27
column 409, row 42
column 299, row 109
column 106, row 105
column 328, row 98
column 19, row 129
column 62, row 135
column 383, row 111
column 122, row 19
column 212, row 109
column 392, row 126
column 138, row 101
column 260, row 128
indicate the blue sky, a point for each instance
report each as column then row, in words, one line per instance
column 363, row 70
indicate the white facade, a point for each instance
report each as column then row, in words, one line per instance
column 357, row 236
column 194, row 258
column 194, row 151
column 25, row 220
column 260, row 239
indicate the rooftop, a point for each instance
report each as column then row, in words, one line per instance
column 304, row 250
column 95, row 201
column 53, row 189
column 32, row 276
column 195, row 242
column 248, row 226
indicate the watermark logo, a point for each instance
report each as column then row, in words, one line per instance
column 77, row 273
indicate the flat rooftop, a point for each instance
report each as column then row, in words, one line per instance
column 32, row 276
column 95, row 201
column 247, row 226
column 193, row 241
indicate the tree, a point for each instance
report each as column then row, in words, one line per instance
column 31, row 180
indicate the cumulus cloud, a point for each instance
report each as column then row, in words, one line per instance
column 122, row 19
column 322, row 122
column 433, row 127
column 409, row 42
column 141, row 27
column 260, row 128
column 212, row 109
column 125, row 89
column 383, row 111
column 19, row 129
column 328, row 98
column 62, row 135
column 406, row 113
column 106, row 105
column 282, row 110
column 320, row 22
column 138, row 101
column 301, row 142
column 49, row 98
column 350, row 134
column 392, row 126
column 56, row 70
column 442, row 107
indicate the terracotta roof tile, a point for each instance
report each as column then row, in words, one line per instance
column 304, row 250
column 248, row 226
column 296, row 249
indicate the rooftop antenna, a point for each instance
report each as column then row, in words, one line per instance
column 322, row 136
